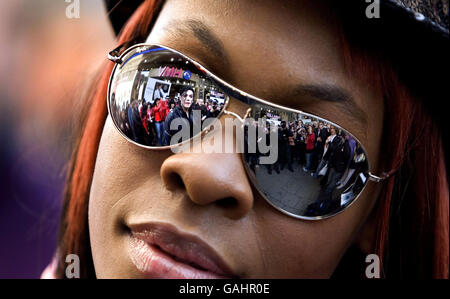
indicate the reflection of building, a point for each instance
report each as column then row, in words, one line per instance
column 217, row 96
column 176, row 78
column 273, row 114
column 139, row 76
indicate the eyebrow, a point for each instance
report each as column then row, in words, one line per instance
column 332, row 94
column 324, row 92
column 203, row 33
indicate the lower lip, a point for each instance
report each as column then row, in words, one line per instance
column 154, row 263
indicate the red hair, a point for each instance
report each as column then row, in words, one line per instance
column 411, row 211
column 412, row 217
column 74, row 228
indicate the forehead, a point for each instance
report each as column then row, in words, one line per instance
column 275, row 43
column 269, row 36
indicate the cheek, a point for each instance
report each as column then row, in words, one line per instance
column 307, row 249
column 121, row 170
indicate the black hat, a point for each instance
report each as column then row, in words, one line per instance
column 433, row 14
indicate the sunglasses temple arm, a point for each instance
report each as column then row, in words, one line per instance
column 114, row 55
column 377, row 179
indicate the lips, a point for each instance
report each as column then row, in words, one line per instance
column 161, row 251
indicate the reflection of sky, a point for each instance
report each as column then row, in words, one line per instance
column 142, row 53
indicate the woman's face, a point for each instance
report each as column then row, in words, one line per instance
column 201, row 207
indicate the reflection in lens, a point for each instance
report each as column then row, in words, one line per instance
column 158, row 98
column 320, row 168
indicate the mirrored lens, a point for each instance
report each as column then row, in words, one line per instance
column 303, row 165
column 158, row 98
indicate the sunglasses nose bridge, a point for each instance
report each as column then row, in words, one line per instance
column 237, row 109
column 242, row 119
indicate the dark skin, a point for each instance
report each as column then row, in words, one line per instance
column 285, row 53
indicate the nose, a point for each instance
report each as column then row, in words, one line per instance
column 213, row 178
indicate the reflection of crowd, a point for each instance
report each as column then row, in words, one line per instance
column 150, row 123
column 314, row 146
column 323, row 151
column 306, row 144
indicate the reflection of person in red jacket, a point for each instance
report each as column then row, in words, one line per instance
column 164, row 110
column 310, row 141
column 156, row 110
column 143, row 112
column 160, row 112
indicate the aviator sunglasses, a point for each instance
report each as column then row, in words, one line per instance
column 152, row 86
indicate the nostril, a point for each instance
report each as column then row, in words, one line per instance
column 174, row 181
column 199, row 178
column 227, row 202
